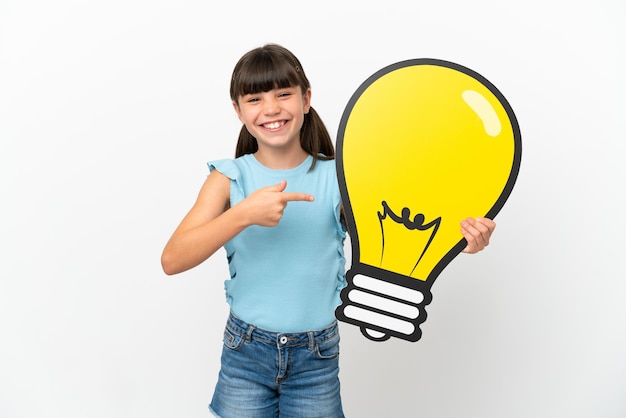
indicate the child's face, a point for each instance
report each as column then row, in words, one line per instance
column 274, row 117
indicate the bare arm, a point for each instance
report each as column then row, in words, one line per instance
column 208, row 226
column 203, row 230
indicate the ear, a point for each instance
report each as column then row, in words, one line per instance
column 237, row 110
column 306, row 98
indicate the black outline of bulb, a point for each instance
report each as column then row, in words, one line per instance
column 407, row 293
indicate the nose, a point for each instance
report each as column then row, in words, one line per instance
column 270, row 106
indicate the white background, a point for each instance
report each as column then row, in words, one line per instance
column 109, row 111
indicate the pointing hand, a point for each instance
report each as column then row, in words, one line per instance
column 265, row 207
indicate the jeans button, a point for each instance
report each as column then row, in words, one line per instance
column 283, row 340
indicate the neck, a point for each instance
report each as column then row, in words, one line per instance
column 281, row 159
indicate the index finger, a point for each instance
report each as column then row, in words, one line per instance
column 296, row 196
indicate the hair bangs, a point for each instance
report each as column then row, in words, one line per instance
column 265, row 70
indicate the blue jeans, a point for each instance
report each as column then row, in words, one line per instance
column 269, row 374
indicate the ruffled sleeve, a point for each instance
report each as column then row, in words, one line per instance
column 229, row 168
column 337, row 204
column 342, row 233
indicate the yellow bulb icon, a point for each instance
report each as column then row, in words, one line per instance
column 422, row 145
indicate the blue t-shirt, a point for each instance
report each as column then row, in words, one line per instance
column 287, row 278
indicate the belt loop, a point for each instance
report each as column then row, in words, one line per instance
column 251, row 329
column 311, row 340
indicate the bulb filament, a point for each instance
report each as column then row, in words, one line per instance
column 418, row 223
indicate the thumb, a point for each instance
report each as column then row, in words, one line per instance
column 278, row 187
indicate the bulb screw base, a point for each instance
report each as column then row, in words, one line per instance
column 384, row 303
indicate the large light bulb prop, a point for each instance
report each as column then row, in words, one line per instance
column 422, row 144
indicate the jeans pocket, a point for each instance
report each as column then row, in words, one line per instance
column 327, row 349
column 232, row 339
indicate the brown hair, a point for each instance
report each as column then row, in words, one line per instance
column 270, row 67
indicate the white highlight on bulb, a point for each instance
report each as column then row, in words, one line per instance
column 484, row 110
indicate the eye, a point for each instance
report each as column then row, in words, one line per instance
column 287, row 92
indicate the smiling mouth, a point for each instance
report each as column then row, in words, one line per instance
column 274, row 125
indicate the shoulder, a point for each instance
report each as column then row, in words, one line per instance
column 231, row 168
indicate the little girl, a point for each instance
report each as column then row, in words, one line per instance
column 276, row 210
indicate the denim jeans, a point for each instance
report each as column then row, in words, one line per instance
column 269, row 374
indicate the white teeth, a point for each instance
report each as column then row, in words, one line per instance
column 274, row 125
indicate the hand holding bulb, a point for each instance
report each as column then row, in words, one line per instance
column 477, row 232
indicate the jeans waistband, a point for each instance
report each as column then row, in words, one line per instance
column 284, row 339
